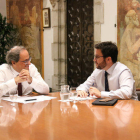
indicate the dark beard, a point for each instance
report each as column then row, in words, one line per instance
column 101, row 65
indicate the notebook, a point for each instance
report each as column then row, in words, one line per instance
column 105, row 102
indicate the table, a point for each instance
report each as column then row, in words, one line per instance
column 55, row 120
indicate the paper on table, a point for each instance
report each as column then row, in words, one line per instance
column 78, row 99
column 82, row 98
column 27, row 99
column 65, row 100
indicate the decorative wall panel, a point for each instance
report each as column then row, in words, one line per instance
column 80, row 41
column 26, row 15
column 128, row 40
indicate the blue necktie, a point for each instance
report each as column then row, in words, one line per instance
column 106, row 82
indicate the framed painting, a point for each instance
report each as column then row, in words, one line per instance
column 128, row 37
column 46, row 18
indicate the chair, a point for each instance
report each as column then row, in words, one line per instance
column 138, row 93
column 50, row 89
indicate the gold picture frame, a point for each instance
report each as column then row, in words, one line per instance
column 46, row 18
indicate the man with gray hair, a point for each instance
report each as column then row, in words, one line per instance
column 19, row 69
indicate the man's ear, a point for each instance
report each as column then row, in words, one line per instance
column 13, row 62
column 108, row 59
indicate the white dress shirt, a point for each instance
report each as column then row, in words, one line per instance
column 120, row 81
column 7, row 82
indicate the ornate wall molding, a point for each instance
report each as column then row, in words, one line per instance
column 53, row 3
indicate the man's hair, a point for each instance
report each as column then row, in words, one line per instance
column 108, row 49
column 14, row 54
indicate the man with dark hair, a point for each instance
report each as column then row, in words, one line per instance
column 19, row 69
column 110, row 78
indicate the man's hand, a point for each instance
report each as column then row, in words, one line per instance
column 94, row 91
column 19, row 79
column 82, row 93
column 24, row 75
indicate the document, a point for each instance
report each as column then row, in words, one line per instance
column 78, row 99
column 29, row 99
column 82, row 98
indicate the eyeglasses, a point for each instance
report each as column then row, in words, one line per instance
column 27, row 60
column 96, row 57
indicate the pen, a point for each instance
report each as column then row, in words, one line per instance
column 31, row 100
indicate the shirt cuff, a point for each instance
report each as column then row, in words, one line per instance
column 11, row 83
column 81, row 89
column 34, row 82
column 104, row 94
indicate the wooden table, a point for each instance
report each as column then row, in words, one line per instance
column 54, row 120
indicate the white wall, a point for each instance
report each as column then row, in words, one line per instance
column 48, row 39
column 108, row 31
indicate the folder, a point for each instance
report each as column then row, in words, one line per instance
column 100, row 101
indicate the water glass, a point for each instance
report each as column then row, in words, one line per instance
column 13, row 94
column 73, row 93
column 65, row 92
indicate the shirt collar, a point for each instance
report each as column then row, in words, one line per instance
column 110, row 70
column 14, row 71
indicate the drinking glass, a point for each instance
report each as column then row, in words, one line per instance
column 73, row 93
column 13, row 94
column 65, row 92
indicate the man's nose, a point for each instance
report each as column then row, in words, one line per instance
column 29, row 62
